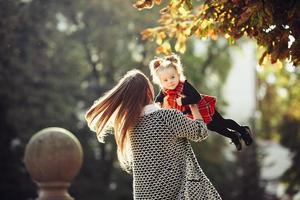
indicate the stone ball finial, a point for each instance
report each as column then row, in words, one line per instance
column 53, row 157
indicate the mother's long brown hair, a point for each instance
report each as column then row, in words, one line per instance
column 122, row 105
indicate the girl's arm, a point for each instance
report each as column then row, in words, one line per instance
column 160, row 97
column 192, row 96
column 162, row 100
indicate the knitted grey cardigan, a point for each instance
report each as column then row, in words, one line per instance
column 164, row 165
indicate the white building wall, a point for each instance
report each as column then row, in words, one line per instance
column 239, row 89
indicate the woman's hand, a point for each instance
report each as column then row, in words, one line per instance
column 165, row 102
column 179, row 101
column 195, row 111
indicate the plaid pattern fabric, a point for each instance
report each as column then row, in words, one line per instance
column 173, row 95
column 206, row 105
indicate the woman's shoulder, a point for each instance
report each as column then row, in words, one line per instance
column 164, row 114
column 169, row 112
column 165, row 117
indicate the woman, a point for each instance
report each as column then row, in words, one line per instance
column 152, row 142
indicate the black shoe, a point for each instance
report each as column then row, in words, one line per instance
column 247, row 135
column 236, row 140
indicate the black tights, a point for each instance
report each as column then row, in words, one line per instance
column 222, row 126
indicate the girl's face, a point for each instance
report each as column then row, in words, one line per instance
column 169, row 78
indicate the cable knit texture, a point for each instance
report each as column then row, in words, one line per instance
column 164, row 165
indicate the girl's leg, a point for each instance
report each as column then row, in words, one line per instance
column 228, row 123
column 234, row 136
column 231, row 124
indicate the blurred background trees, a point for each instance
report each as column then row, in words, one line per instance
column 279, row 97
column 57, row 57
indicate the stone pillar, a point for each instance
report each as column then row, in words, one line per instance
column 53, row 157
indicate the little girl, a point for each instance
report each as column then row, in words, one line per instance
column 178, row 93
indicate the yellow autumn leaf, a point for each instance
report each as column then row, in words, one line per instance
column 180, row 45
column 198, row 32
column 165, row 48
column 158, row 2
column 227, row 36
column 172, row 33
column 183, row 11
column 202, row 8
column 187, row 31
column 160, row 37
column 212, row 34
column 165, row 19
column 147, row 33
column 205, row 23
column 194, row 27
column 164, row 10
column 144, row 4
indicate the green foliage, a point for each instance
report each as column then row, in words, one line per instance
column 57, row 58
column 290, row 131
column 31, row 88
column 279, row 98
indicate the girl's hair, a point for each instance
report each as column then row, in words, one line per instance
column 160, row 63
column 122, row 105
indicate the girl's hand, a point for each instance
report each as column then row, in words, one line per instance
column 179, row 101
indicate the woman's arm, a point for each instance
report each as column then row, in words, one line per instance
column 165, row 103
column 184, row 127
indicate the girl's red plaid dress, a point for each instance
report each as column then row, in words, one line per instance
column 206, row 104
